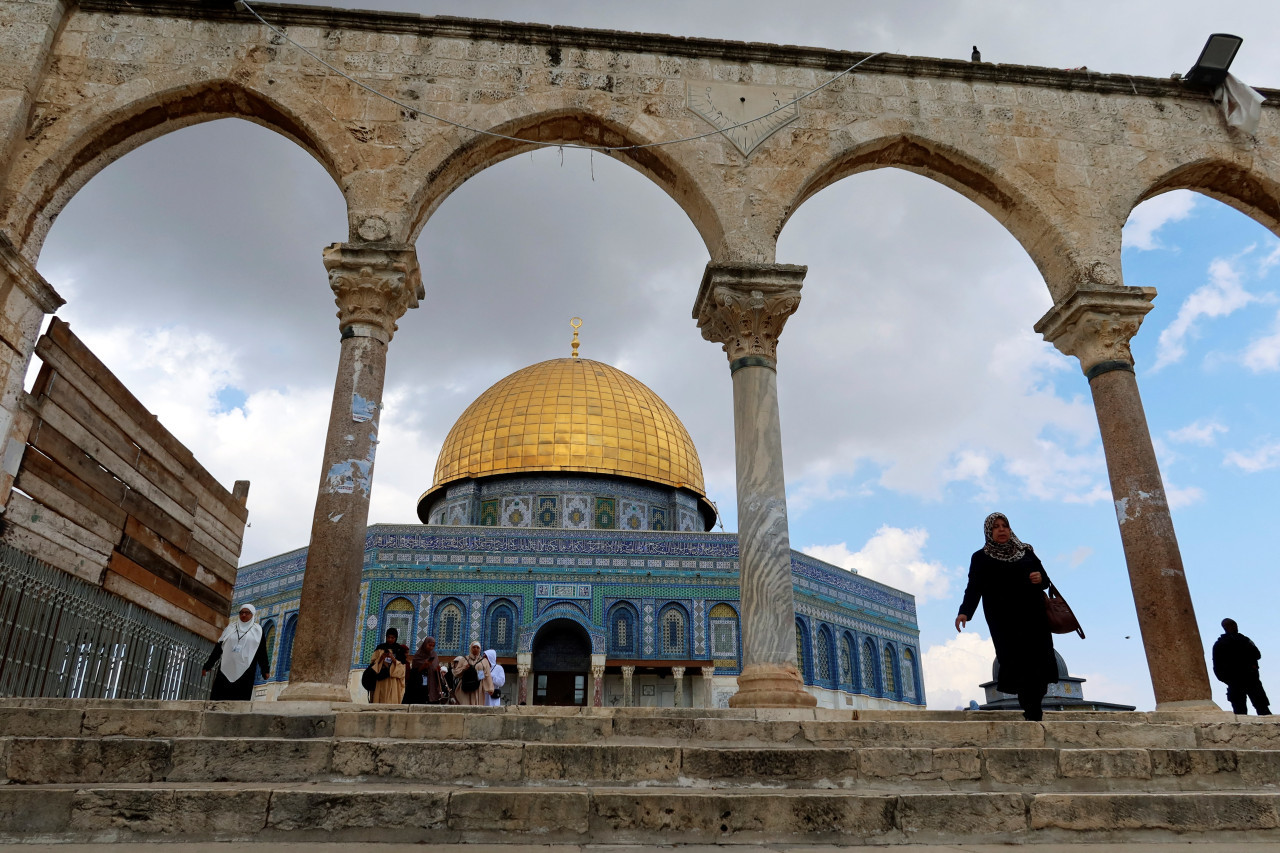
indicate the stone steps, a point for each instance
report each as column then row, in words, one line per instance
column 416, row 813
column 194, row 771
column 44, row 761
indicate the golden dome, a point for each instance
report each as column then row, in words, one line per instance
column 572, row 415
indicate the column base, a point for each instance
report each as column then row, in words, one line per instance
column 312, row 691
column 771, row 685
column 1189, row 705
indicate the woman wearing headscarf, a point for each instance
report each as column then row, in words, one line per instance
column 237, row 653
column 1008, row 578
column 422, row 684
column 498, row 676
column 390, row 662
column 481, row 686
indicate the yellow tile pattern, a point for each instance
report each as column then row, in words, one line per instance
column 570, row 414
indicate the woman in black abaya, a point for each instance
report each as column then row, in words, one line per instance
column 1008, row 578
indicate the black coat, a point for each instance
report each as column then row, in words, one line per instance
column 1235, row 659
column 240, row 690
column 1014, row 608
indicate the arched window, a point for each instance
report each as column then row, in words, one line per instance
column 501, row 636
column 286, row 646
column 868, row 667
column 449, row 628
column 908, row 674
column 890, row 684
column 622, row 630
column 398, row 614
column 269, row 643
column 822, row 657
column 672, row 625
column 724, row 633
column 846, row 662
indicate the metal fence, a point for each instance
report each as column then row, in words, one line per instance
column 63, row 637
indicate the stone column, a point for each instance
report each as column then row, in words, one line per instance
column 597, row 682
column 708, row 686
column 743, row 307
column 524, row 667
column 374, row 284
column 677, row 672
column 628, row 691
column 25, row 299
column 1095, row 325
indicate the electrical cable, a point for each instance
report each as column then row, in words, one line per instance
column 243, row 4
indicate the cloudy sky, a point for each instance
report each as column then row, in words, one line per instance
column 915, row 396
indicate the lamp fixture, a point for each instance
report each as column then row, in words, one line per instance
column 1215, row 58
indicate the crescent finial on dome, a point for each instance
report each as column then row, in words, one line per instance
column 576, row 322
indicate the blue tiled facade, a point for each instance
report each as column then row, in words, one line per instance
column 638, row 595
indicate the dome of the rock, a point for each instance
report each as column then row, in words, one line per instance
column 569, row 416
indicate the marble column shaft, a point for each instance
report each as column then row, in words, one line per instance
column 677, row 672
column 1096, row 325
column 744, row 307
column 708, row 682
column 628, row 693
column 373, row 286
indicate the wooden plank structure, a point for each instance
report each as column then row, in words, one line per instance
column 106, row 493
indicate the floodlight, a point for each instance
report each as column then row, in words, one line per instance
column 1211, row 68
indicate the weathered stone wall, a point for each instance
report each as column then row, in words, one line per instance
column 1059, row 157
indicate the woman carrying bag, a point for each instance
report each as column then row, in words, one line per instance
column 1006, row 575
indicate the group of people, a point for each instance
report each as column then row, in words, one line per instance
column 395, row 677
column 1009, row 580
column 1005, row 575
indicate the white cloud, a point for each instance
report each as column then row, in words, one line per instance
column 1223, row 295
column 1262, row 355
column 893, row 556
column 1202, row 432
column 1262, row 458
column 1152, row 215
column 1079, row 555
column 1271, row 260
column 954, row 669
column 1182, row 496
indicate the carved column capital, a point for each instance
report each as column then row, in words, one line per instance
column 1096, row 324
column 628, row 672
column 677, row 671
column 373, row 285
column 745, row 306
column 708, row 672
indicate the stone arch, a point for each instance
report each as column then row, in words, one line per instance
column 500, row 609
column 1247, row 190
column 94, row 138
column 448, row 625
column 1033, row 219
column 546, row 119
column 825, row 663
column 673, row 623
column 572, row 614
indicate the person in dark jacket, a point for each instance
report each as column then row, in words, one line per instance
column 1235, row 664
column 1006, row 575
column 239, row 651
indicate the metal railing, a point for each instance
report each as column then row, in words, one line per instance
column 63, row 637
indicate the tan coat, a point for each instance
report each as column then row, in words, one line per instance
column 486, row 682
column 389, row 690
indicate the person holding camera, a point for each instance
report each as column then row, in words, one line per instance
column 389, row 664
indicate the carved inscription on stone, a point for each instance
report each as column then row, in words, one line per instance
column 764, row 109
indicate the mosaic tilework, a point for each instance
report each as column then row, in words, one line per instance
column 516, row 512
column 689, row 521
column 657, row 518
column 647, row 618
column 424, row 621
column 577, row 512
column 457, row 514
column 489, row 513
column 606, row 514
column 699, row 634
column 547, row 513
column 634, row 516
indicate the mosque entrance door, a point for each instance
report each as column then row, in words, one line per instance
column 561, row 662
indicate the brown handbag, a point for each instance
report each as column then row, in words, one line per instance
column 1061, row 619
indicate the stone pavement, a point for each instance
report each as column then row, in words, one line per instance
column 321, row 847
